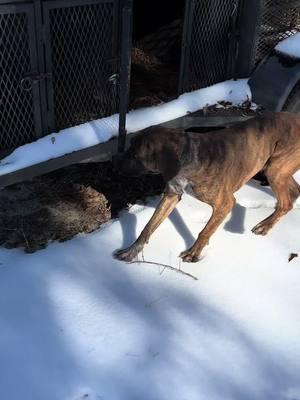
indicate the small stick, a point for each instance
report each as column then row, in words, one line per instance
column 180, row 271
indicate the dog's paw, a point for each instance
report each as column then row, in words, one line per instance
column 261, row 229
column 189, row 256
column 128, row 254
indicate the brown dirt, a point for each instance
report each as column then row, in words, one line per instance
column 61, row 204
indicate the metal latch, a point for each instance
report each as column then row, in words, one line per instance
column 31, row 79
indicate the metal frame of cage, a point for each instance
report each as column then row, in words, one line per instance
column 222, row 39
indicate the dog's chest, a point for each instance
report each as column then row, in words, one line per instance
column 181, row 185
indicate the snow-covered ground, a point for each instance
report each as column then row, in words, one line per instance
column 100, row 131
column 76, row 324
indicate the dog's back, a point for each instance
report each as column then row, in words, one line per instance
column 236, row 154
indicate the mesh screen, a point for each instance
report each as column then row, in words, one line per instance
column 280, row 19
column 81, row 44
column 16, row 105
column 209, row 46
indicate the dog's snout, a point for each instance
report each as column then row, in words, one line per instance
column 123, row 164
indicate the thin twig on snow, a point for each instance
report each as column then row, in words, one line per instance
column 180, row 271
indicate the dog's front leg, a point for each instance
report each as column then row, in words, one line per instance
column 221, row 207
column 163, row 210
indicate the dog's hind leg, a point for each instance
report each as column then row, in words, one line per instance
column 287, row 190
column 163, row 210
column 221, row 206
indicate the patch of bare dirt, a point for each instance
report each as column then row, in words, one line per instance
column 61, row 204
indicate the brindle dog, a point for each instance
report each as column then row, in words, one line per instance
column 214, row 166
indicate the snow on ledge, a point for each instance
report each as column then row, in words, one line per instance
column 290, row 46
column 99, row 131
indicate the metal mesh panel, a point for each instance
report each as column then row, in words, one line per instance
column 209, row 46
column 280, row 19
column 16, row 105
column 81, row 42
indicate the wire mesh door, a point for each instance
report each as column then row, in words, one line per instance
column 20, row 119
column 206, row 42
column 81, row 53
column 264, row 23
column 279, row 20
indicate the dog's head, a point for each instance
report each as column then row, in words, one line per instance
column 155, row 150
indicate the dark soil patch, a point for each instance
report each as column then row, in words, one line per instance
column 61, row 204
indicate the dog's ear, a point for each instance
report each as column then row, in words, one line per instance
column 162, row 157
column 159, row 149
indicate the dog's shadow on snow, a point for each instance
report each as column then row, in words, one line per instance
column 182, row 228
column 129, row 226
column 235, row 223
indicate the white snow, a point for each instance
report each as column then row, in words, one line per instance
column 290, row 46
column 99, row 131
column 78, row 325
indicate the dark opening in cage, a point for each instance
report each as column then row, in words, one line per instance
column 156, row 51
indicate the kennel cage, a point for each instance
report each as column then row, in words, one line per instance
column 60, row 65
column 66, row 62
column 60, row 60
